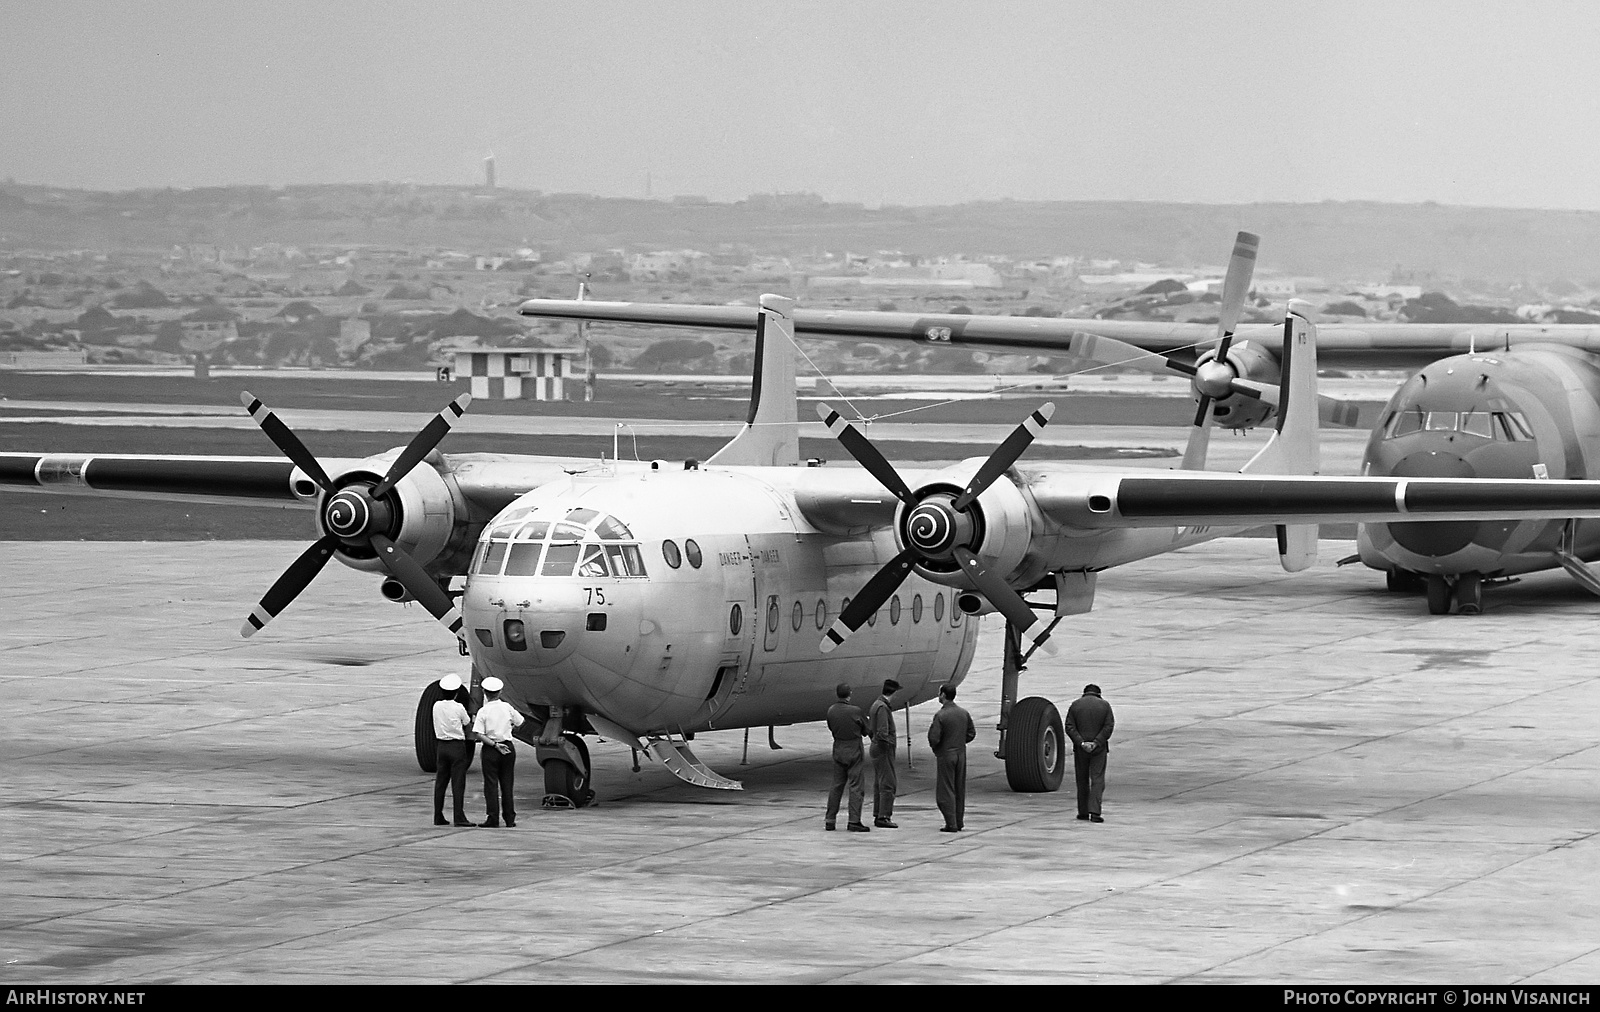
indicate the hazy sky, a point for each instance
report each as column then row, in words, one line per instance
column 923, row 102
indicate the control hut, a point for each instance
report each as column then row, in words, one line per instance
column 535, row 374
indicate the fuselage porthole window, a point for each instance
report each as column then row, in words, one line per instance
column 916, row 608
column 735, row 618
column 797, row 617
column 822, row 613
column 772, row 615
column 669, row 551
column 938, row 607
column 894, row 610
column 691, row 551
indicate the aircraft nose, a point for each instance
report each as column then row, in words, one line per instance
column 1441, row 537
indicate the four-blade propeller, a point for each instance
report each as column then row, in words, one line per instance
column 357, row 515
column 937, row 526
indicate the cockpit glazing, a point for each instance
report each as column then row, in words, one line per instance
column 1500, row 426
column 560, row 542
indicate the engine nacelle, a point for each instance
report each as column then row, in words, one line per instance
column 998, row 527
column 422, row 507
column 1248, row 361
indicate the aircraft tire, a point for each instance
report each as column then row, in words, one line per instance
column 427, row 743
column 1036, row 747
column 1469, row 594
column 1438, row 595
column 572, row 784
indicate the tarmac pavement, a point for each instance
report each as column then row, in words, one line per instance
column 1312, row 780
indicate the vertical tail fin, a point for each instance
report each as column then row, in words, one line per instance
column 771, row 433
column 1294, row 447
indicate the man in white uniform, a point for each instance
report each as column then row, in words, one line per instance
column 450, row 724
column 493, row 726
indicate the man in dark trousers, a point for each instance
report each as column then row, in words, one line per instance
column 493, row 726
column 848, row 724
column 948, row 735
column 880, row 731
column 450, row 727
column 1089, row 724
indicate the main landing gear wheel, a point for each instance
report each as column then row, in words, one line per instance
column 1035, row 747
column 427, row 743
column 1469, row 594
column 1438, row 595
column 560, row 779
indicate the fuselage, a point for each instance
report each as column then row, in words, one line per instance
column 686, row 600
column 1533, row 412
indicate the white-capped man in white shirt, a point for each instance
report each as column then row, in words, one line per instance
column 493, row 726
column 454, row 755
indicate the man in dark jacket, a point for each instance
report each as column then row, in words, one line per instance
column 1089, row 724
column 948, row 735
column 880, row 731
column 848, row 724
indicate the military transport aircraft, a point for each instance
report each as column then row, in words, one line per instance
column 1508, row 401
column 649, row 602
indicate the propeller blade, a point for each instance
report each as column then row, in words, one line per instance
column 1008, row 601
column 866, row 604
column 416, row 580
column 1005, row 455
column 288, row 587
column 1194, row 454
column 864, row 452
column 1235, row 286
column 421, row 445
column 284, row 439
column 1203, row 413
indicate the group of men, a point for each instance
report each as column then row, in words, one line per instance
column 1089, row 725
column 455, row 729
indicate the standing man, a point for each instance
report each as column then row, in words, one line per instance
column 1089, row 724
column 880, row 731
column 848, row 724
column 948, row 735
column 450, row 724
column 493, row 726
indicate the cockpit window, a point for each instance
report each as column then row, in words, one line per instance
column 1501, row 426
column 558, row 560
column 566, row 543
column 524, row 560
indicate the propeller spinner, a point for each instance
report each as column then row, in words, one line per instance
column 358, row 515
column 938, row 527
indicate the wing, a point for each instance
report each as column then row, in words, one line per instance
column 1098, row 502
column 245, row 481
column 1375, row 344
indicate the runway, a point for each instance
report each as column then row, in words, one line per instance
column 1312, row 780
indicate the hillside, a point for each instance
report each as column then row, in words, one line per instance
column 1333, row 240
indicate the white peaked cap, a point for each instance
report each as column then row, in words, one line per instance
column 493, row 684
column 450, row 683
